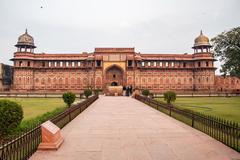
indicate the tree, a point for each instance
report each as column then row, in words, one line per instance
column 169, row 96
column 227, row 47
column 145, row 92
column 87, row 92
column 69, row 98
column 11, row 115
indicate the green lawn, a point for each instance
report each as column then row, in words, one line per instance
column 227, row 108
column 33, row 107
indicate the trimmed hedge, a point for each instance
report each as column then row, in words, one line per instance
column 169, row 96
column 145, row 92
column 11, row 115
column 87, row 93
column 69, row 98
column 33, row 122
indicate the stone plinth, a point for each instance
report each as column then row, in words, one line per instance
column 115, row 90
column 51, row 137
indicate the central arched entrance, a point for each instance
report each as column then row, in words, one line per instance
column 114, row 76
column 114, row 80
column 114, row 84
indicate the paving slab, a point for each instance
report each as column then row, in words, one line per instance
column 122, row 128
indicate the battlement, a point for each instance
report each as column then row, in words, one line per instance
column 119, row 50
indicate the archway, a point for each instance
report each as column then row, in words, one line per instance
column 114, row 76
column 114, row 84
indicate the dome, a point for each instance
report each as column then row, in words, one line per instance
column 201, row 40
column 25, row 40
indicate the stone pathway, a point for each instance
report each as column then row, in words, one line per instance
column 122, row 128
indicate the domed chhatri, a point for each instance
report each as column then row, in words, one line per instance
column 202, row 42
column 25, row 43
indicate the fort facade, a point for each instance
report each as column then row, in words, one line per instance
column 117, row 67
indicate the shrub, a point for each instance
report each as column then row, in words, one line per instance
column 169, row 96
column 145, row 92
column 29, row 123
column 11, row 115
column 69, row 98
column 87, row 93
column 96, row 91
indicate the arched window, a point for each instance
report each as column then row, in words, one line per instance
column 167, row 80
column 173, row 81
column 42, row 81
column 28, row 80
column 160, row 64
column 161, row 80
column 79, row 81
column 179, row 80
column 60, row 81
column 149, row 80
column 49, row 80
column 85, row 81
column 66, row 80
column 73, row 80
column 98, row 80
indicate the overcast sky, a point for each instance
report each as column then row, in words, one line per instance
column 151, row 26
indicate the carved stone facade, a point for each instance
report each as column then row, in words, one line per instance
column 227, row 84
column 113, row 66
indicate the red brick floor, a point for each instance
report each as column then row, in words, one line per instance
column 122, row 128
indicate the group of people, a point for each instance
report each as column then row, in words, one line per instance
column 127, row 90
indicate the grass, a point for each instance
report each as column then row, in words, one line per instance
column 33, row 107
column 224, row 107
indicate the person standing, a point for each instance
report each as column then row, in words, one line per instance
column 130, row 90
column 127, row 91
column 124, row 90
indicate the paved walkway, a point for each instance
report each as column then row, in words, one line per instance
column 122, row 128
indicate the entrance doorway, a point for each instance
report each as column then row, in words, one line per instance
column 114, row 84
column 114, row 76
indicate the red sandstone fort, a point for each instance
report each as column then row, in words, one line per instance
column 116, row 67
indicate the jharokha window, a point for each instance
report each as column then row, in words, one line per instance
column 184, row 64
column 130, row 63
column 98, row 62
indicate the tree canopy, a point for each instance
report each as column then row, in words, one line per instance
column 227, row 47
